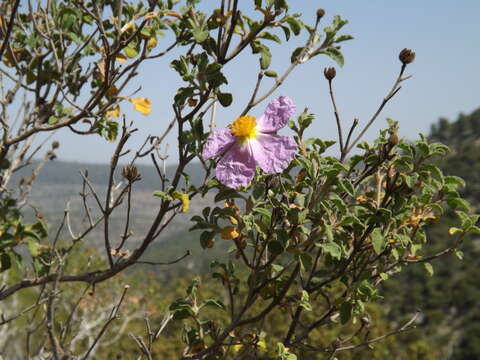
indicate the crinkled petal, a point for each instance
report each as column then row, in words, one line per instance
column 237, row 167
column 276, row 115
column 217, row 143
column 273, row 152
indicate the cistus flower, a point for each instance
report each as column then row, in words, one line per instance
column 249, row 142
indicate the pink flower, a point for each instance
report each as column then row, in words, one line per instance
column 249, row 142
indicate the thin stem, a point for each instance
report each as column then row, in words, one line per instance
column 337, row 117
column 396, row 88
column 9, row 28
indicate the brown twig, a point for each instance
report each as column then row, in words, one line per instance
column 395, row 89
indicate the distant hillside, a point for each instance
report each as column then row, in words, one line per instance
column 463, row 137
column 61, row 172
column 59, row 184
column 465, row 129
column 449, row 299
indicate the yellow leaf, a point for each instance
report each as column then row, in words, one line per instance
column 237, row 348
column 173, row 13
column 229, row 232
column 127, row 27
column 261, row 345
column 120, row 58
column 131, row 52
column 151, row 15
column 184, row 199
column 101, row 68
column 232, row 220
column 114, row 112
column 142, row 105
column 152, row 43
column 454, row 230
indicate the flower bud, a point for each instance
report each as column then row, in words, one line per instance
column 365, row 321
column 329, row 73
column 55, row 145
column 393, row 139
column 406, row 56
column 130, row 172
column 320, row 13
column 192, row 102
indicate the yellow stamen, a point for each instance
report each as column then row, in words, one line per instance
column 244, row 128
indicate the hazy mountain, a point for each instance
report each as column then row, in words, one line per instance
column 59, row 185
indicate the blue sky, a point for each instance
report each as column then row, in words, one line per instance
column 446, row 77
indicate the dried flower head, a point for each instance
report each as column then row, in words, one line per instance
column 406, row 56
column 130, row 172
column 329, row 73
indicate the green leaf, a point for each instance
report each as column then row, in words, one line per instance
column 347, row 187
column 458, row 203
column 276, row 247
column 4, row 164
column 331, row 248
column 212, row 68
column 338, row 22
column 264, row 212
column 214, row 303
column 265, row 58
column 343, row 38
column 207, row 239
column 295, row 25
column 225, row 99
column 41, row 228
column 335, row 55
column 162, row 195
column 459, row 254
column 286, row 30
column 306, row 261
column 305, row 301
column 200, row 35
column 130, row 52
column 474, row 230
column 271, row 73
column 5, row 262
column 52, row 120
column 110, row 130
column 181, row 314
column 349, row 220
column 269, row 36
column 429, row 268
column 225, row 194
column 454, row 180
column 33, row 247
column 182, row 95
column 346, row 310
column 378, row 241
column 405, row 240
column 296, row 53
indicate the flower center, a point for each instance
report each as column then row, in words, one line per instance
column 244, row 128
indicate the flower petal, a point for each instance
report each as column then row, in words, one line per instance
column 237, row 166
column 276, row 115
column 273, row 152
column 217, row 143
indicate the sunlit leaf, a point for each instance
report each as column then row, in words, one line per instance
column 114, row 112
column 142, row 104
column 120, row 58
